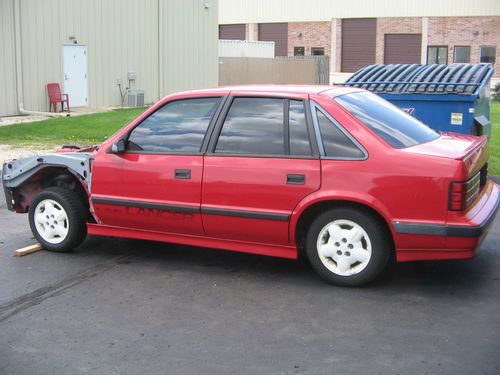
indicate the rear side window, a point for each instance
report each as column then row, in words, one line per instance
column 395, row 126
column 253, row 126
column 178, row 126
column 265, row 126
column 335, row 143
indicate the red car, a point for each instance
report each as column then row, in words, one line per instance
column 337, row 173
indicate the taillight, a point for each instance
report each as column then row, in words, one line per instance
column 456, row 199
column 462, row 194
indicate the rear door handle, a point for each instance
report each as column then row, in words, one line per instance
column 183, row 174
column 295, row 179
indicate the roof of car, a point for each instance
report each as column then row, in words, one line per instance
column 275, row 89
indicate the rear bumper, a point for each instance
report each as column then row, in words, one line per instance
column 485, row 215
column 457, row 239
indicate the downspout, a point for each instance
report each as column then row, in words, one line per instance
column 19, row 69
column 160, row 49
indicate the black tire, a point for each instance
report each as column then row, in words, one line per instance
column 76, row 213
column 373, row 227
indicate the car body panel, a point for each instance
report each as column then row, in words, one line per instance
column 244, row 203
column 254, row 185
column 141, row 191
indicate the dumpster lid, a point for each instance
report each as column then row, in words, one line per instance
column 463, row 79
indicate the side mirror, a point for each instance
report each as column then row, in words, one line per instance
column 118, row 147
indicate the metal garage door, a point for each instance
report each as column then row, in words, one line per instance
column 402, row 48
column 277, row 33
column 232, row 32
column 358, row 43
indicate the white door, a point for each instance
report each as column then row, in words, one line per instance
column 75, row 74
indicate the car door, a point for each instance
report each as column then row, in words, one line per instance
column 155, row 183
column 259, row 165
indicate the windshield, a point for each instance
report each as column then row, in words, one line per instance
column 395, row 126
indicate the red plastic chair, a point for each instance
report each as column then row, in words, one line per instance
column 55, row 96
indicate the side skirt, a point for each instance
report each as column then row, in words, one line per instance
column 289, row 252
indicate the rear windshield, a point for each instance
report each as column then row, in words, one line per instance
column 395, row 126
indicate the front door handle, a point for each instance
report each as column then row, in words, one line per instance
column 183, row 174
column 295, row 179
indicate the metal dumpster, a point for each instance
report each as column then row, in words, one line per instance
column 449, row 98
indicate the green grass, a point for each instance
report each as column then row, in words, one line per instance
column 79, row 130
column 494, row 163
column 92, row 129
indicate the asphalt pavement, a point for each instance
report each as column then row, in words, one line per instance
column 116, row 306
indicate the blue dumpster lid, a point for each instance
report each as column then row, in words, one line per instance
column 463, row 79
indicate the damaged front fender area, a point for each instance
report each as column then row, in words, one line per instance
column 23, row 179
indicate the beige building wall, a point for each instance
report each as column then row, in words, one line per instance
column 260, row 11
column 190, row 36
column 171, row 45
column 120, row 35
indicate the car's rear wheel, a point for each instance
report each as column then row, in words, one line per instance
column 348, row 247
column 57, row 219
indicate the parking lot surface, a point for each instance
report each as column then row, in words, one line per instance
column 118, row 306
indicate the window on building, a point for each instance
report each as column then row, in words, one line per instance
column 298, row 51
column 461, row 54
column 178, row 126
column 487, row 54
column 317, row 51
column 437, row 55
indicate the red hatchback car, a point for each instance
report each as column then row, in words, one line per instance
column 337, row 173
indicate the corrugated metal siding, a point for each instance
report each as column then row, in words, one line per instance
column 358, row 43
column 261, row 11
column 277, row 33
column 190, row 45
column 402, row 48
column 121, row 36
column 232, row 32
column 8, row 99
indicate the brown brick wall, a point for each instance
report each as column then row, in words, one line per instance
column 394, row 25
column 449, row 31
column 314, row 34
column 466, row 31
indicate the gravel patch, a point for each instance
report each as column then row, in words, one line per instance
column 15, row 152
column 11, row 120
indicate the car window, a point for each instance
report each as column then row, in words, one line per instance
column 299, row 136
column 395, row 126
column 178, row 126
column 253, row 126
column 335, row 143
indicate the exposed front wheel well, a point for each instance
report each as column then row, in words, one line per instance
column 48, row 177
column 313, row 211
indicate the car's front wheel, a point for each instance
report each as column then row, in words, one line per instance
column 348, row 247
column 57, row 219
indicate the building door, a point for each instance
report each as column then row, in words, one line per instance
column 75, row 74
column 402, row 48
column 358, row 43
column 232, row 32
column 277, row 33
